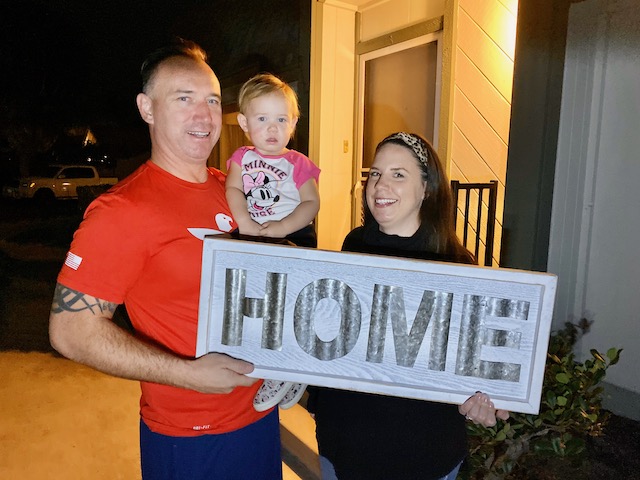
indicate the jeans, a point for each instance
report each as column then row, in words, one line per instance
column 327, row 472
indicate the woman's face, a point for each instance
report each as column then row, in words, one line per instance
column 395, row 190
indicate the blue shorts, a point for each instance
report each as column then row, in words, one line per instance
column 251, row 452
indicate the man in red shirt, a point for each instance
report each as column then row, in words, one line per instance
column 141, row 244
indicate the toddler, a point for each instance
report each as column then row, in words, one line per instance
column 271, row 190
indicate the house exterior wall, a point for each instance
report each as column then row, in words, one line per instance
column 383, row 17
column 331, row 117
column 483, row 57
column 594, row 206
column 335, row 33
column 475, row 108
column 595, row 223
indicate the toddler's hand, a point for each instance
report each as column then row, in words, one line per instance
column 252, row 228
column 274, row 229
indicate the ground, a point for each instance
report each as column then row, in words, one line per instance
column 34, row 240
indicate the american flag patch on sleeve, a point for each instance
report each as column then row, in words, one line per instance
column 73, row 261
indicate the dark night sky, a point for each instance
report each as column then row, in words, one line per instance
column 81, row 57
column 77, row 62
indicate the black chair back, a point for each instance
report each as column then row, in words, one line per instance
column 476, row 215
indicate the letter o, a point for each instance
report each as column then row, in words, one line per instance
column 350, row 319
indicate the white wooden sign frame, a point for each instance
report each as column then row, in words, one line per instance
column 411, row 328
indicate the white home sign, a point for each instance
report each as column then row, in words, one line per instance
column 412, row 328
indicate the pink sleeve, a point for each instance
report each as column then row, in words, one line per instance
column 237, row 157
column 304, row 169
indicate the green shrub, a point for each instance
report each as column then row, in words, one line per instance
column 570, row 411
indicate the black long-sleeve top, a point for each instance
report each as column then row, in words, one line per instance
column 370, row 437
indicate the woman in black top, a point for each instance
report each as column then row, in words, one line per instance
column 408, row 213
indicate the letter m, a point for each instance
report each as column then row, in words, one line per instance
column 388, row 303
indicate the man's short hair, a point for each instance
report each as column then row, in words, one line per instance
column 181, row 48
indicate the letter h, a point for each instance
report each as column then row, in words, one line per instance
column 270, row 308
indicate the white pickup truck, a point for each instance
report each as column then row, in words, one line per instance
column 59, row 181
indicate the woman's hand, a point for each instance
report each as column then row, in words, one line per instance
column 480, row 410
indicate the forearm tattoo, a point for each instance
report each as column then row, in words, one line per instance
column 67, row 300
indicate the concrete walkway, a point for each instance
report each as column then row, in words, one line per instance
column 62, row 421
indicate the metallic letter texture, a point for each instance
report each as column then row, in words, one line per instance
column 304, row 318
column 388, row 302
column 270, row 308
column 473, row 335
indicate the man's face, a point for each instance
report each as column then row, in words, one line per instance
column 184, row 111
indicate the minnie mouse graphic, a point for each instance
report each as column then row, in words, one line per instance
column 259, row 192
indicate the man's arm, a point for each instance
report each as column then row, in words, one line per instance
column 80, row 328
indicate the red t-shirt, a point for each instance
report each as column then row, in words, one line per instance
column 141, row 244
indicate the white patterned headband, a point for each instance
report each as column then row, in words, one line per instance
column 414, row 142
